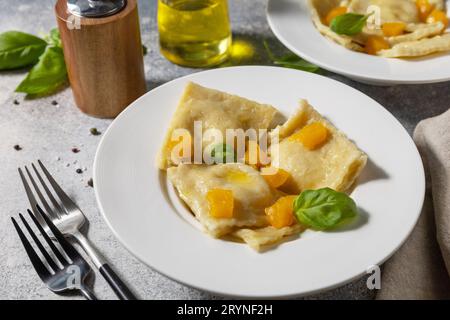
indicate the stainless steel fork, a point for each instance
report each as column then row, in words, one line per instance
column 62, row 272
column 70, row 220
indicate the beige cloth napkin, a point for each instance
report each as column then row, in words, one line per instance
column 421, row 268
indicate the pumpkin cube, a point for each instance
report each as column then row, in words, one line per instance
column 438, row 16
column 281, row 213
column 221, row 203
column 424, row 7
column 312, row 136
column 275, row 177
column 338, row 11
column 392, row 29
column 375, row 44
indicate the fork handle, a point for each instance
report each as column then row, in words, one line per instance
column 119, row 287
column 87, row 293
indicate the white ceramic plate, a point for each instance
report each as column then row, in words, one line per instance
column 291, row 22
column 147, row 217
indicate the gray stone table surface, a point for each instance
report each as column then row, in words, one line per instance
column 49, row 132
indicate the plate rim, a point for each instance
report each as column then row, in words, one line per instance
column 335, row 69
column 223, row 293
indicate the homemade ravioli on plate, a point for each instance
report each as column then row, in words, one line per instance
column 333, row 162
column 387, row 28
column 214, row 110
column 312, row 164
column 196, row 185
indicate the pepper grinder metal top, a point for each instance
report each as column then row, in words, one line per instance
column 95, row 8
column 103, row 53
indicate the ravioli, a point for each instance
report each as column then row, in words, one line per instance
column 417, row 32
column 390, row 10
column 251, row 194
column 336, row 164
column 236, row 200
column 418, row 39
column 217, row 110
column 319, row 9
column 418, row 48
column 258, row 239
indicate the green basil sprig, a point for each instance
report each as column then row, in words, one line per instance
column 49, row 73
column 18, row 49
column 324, row 209
column 349, row 23
column 222, row 153
column 291, row 60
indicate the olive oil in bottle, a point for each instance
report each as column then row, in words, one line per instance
column 194, row 33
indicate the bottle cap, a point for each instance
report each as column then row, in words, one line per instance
column 95, row 8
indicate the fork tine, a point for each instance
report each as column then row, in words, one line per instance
column 55, row 250
column 41, row 197
column 68, row 248
column 59, row 210
column 41, row 248
column 65, row 199
column 30, row 195
column 35, row 260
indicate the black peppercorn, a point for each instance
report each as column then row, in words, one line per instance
column 95, row 132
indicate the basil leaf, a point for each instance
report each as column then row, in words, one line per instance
column 291, row 60
column 349, row 23
column 47, row 75
column 222, row 152
column 18, row 49
column 294, row 62
column 324, row 208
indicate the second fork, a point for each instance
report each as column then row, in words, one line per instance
column 68, row 271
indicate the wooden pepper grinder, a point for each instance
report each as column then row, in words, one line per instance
column 103, row 53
